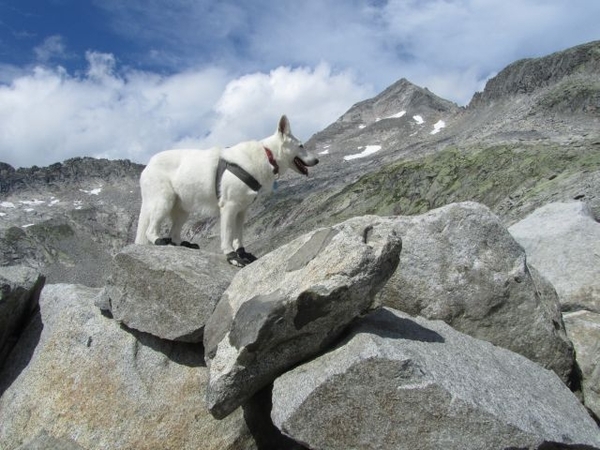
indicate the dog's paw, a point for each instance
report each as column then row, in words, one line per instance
column 190, row 245
column 164, row 241
column 235, row 260
column 247, row 257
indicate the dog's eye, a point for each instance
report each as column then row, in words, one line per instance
column 301, row 146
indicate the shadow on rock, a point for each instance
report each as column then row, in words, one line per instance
column 385, row 324
column 257, row 414
column 21, row 353
column 184, row 353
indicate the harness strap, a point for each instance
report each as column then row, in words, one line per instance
column 239, row 172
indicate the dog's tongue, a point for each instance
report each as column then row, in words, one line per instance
column 301, row 166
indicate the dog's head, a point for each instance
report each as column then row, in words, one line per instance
column 293, row 154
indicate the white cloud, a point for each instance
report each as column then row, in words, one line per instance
column 52, row 47
column 453, row 46
column 50, row 115
column 312, row 98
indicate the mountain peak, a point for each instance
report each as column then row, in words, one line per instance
column 400, row 96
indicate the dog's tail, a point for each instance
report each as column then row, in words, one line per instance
column 143, row 222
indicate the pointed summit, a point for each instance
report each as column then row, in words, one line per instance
column 403, row 111
column 400, row 96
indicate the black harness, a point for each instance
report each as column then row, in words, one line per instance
column 239, row 172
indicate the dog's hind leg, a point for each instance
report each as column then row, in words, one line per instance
column 161, row 210
column 178, row 217
column 140, row 236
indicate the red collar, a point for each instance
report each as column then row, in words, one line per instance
column 272, row 161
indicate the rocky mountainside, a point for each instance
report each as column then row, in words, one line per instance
column 68, row 219
column 511, row 149
column 493, row 207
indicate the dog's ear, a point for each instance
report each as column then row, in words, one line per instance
column 284, row 126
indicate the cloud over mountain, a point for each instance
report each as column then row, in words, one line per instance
column 48, row 115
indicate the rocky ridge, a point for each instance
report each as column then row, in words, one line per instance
column 445, row 389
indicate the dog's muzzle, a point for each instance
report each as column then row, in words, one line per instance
column 303, row 165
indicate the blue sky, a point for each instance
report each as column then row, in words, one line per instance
column 126, row 79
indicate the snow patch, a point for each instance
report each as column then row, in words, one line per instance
column 7, row 204
column 324, row 152
column 34, row 202
column 438, row 126
column 29, row 210
column 28, row 225
column 397, row 115
column 93, row 191
column 362, row 126
column 54, row 202
column 369, row 150
column 2, row 214
column 418, row 119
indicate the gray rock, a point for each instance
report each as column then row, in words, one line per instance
column 398, row 382
column 460, row 265
column 562, row 241
column 44, row 441
column 529, row 75
column 90, row 380
column 292, row 303
column 19, row 296
column 583, row 328
column 166, row 291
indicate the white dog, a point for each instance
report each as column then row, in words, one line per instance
column 177, row 182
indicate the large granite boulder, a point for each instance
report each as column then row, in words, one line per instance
column 89, row 380
column 562, row 241
column 398, row 382
column 292, row 303
column 166, row 291
column 459, row 264
column 19, row 295
column 583, row 328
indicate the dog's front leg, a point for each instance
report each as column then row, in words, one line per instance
column 238, row 234
column 228, row 221
column 229, row 217
column 238, row 239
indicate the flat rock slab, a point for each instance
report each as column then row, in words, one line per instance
column 562, row 241
column 398, row 382
column 460, row 264
column 293, row 302
column 166, row 291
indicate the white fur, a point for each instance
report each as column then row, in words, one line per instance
column 178, row 182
